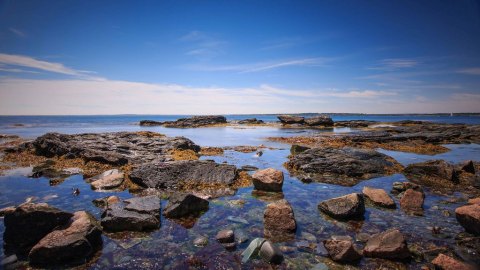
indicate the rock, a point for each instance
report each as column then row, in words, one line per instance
column 116, row 148
column 149, row 123
column 268, row 180
column 7, row 210
column 200, row 241
column 106, row 201
column 74, row 243
column 297, row 149
column 251, row 121
column 379, row 197
column 390, row 244
column 181, row 205
column 354, row 123
column 8, row 261
column 173, row 175
column 29, row 223
column 469, row 217
column 399, row 187
column 252, row 249
column 467, row 166
column 196, row 121
column 279, row 221
column 412, row 201
column 341, row 250
column 321, row 120
column 107, row 180
column 470, row 201
column 270, row 253
column 290, row 119
column 225, row 236
column 445, row 262
column 248, row 168
column 350, row 206
column 342, row 166
column 434, row 173
column 117, row 218
column 146, row 205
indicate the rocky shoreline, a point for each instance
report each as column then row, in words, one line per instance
column 156, row 167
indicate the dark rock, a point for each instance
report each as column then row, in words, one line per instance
column 251, row 121
column 29, row 223
column 343, row 166
column 469, row 217
column 412, row 202
column 390, row 244
column 249, row 168
column 321, row 120
column 290, row 119
column 225, row 236
column 467, row 166
column 399, row 187
column 434, row 173
column 72, row 244
column 106, row 201
column 342, row 250
column 116, row 218
column 270, row 253
column 378, row 197
column 149, row 123
column 145, row 205
column 268, row 180
column 354, row 123
column 7, row 210
column 181, row 205
column 174, row 174
column 110, row 179
column 350, row 206
column 196, row 121
column 279, row 221
column 297, row 149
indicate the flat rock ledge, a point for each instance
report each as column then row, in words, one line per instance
column 342, row 166
column 196, row 121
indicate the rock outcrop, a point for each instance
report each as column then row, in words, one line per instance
column 343, row 166
column 290, row 119
column 251, row 121
column 321, row 120
column 351, row 206
column 434, row 173
column 150, row 123
column 196, row 121
column 279, row 221
column 390, row 244
column 268, row 180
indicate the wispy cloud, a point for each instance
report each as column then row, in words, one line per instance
column 203, row 45
column 264, row 66
column 391, row 64
column 17, row 32
column 470, row 71
column 10, row 60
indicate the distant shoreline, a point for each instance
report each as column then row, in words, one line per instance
column 269, row 114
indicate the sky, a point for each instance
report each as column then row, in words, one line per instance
column 62, row 57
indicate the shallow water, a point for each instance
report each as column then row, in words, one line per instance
column 171, row 245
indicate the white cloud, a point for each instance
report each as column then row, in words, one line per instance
column 202, row 45
column 391, row 64
column 18, row 32
column 470, row 71
column 30, row 62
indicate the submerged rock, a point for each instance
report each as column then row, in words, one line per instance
column 469, row 217
column 72, row 244
column 268, row 180
column 226, row 238
column 279, row 221
column 181, row 205
column 342, row 250
column 270, row 253
column 110, row 179
column 176, row 174
column 196, row 121
column 290, row 119
column 412, row 201
column 379, row 197
column 252, row 250
column 445, row 262
column 390, row 244
column 350, row 206
column 343, row 166
column 29, row 223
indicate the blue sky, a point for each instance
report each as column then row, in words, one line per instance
column 203, row 57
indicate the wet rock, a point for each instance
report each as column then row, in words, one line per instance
column 175, row 174
column 200, row 241
column 196, row 121
column 399, row 187
column 412, row 202
column 181, row 205
column 434, row 173
column 249, row 168
column 279, row 221
column 251, row 121
column 350, row 206
column 379, row 197
column 290, row 119
column 136, row 214
column 106, row 201
column 270, row 253
column 74, row 243
column 343, row 166
column 29, row 223
column 252, row 250
column 469, row 217
column 225, row 236
column 342, row 250
column 390, row 244
column 7, row 210
column 110, row 179
column 150, row 123
column 445, row 262
column 147, row 205
column 297, row 149
column 467, row 166
column 321, row 120
column 268, row 180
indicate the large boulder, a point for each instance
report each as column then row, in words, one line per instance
column 469, row 217
column 196, row 121
column 412, row 201
column 176, row 174
column 433, row 173
column 110, row 179
column 290, row 119
column 29, row 223
column 350, row 206
column 342, row 166
column 268, row 180
column 181, row 205
column 279, row 221
column 72, row 244
column 378, row 197
column 342, row 250
column 390, row 244
column 321, row 120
